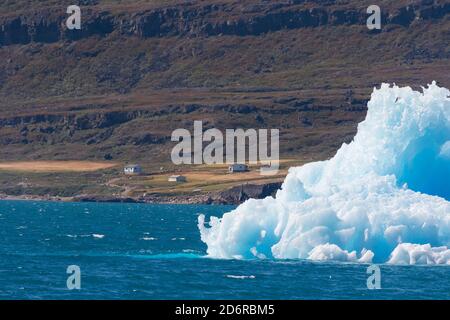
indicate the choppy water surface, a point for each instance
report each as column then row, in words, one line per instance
column 133, row 251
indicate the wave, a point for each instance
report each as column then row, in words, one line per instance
column 381, row 198
column 178, row 255
column 231, row 276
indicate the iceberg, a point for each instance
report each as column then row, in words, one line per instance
column 383, row 198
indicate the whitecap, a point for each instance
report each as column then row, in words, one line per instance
column 149, row 238
column 240, row 277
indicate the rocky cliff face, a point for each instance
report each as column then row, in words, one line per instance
column 146, row 127
column 271, row 63
column 244, row 192
column 48, row 26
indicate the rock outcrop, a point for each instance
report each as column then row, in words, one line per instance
column 47, row 26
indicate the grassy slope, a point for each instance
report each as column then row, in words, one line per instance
column 103, row 74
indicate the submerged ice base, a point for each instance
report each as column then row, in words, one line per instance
column 381, row 198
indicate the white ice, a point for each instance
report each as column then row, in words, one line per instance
column 381, row 198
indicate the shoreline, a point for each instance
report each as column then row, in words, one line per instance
column 232, row 196
column 99, row 199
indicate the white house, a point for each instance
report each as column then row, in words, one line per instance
column 132, row 169
column 177, row 178
column 237, row 168
column 268, row 170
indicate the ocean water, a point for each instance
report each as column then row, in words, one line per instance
column 137, row 251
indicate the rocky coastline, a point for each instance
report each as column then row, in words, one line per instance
column 232, row 196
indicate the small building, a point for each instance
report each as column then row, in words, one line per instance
column 132, row 169
column 177, row 178
column 268, row 170
column 237, row 168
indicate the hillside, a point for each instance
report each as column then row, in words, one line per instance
column 137, row 70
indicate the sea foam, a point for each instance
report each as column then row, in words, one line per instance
column 382, row 198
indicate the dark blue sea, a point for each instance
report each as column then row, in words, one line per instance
column 141, row 251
